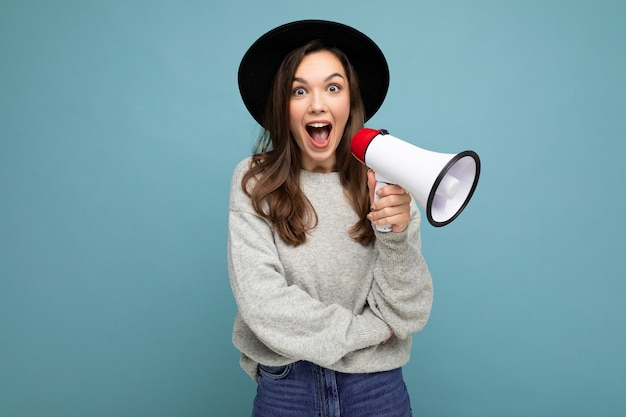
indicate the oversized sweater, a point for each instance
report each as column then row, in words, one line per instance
column 330, row 300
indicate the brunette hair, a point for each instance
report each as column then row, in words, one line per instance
column 275, row 167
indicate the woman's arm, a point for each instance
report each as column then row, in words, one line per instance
column 402, row 290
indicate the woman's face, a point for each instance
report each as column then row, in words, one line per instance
column 318, row 109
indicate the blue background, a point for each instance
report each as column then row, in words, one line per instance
column 121, row 122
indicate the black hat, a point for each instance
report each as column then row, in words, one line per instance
column 260, row 63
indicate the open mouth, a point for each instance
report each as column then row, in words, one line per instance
column 319, row 133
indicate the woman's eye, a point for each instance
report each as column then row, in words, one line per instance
column 299, row 91
column 334, row 88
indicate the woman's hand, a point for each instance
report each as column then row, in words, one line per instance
column 393, row 206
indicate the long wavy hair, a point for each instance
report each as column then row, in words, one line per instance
column 276, row 163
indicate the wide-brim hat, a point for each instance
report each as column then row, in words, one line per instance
column 260, row 63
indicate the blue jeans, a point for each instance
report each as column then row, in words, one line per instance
column 302, row 389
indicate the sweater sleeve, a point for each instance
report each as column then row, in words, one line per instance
column 284, row 317
column 402, row 290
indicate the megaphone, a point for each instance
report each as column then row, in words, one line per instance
column 441, row 183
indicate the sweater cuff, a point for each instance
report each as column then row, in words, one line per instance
column 369, row 330
column 396, row 246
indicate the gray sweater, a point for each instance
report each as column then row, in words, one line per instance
column 330, row 301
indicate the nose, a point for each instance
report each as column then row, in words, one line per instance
column 317, row 103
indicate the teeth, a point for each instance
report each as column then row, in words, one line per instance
column 317, row 124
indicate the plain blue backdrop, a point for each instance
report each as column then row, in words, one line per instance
column 121, row 122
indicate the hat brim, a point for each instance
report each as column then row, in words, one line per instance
column 260, row 63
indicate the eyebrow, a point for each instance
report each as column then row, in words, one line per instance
column 330, row 77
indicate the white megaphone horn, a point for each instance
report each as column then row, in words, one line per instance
column 441, row 183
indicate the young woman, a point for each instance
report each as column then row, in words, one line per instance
column 327, row 304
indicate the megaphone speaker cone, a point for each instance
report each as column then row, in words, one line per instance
column 460, row 175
